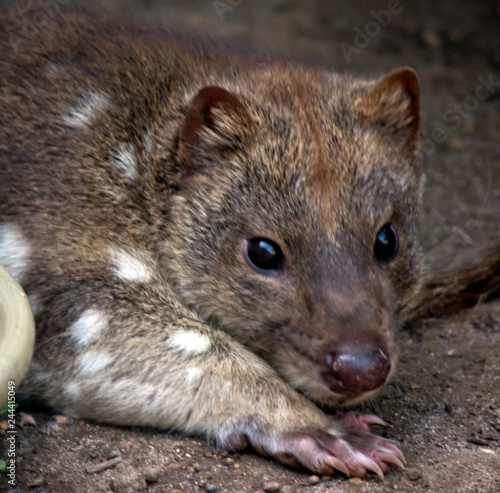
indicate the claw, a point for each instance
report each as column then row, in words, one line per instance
column 338, row 465
column 352, row 451
column 371, row 465
column 390, row 459
column 394, row 451
column 363, row 421
column 371, row 419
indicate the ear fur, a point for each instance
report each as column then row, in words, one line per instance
column 393, row 103
column 216, row 120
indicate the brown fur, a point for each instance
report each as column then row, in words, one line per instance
column 135, row 166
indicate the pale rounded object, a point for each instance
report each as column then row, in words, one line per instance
column 17, row 333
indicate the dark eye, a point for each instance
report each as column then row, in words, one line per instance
column 264, row 254
column 386, row 244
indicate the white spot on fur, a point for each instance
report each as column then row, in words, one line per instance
column 124, row 160
column 14, row 250
column 41, row 376
column 191, row 375
column 131, row 266
column 148, row 143
column 36, row 374
column 71, row 390
column 35, row 303
column 88, row 327
column 332, row 76
column 88, row 105
column 189, row 341
column 53, row 70
column 226, row 387
column 92, row 361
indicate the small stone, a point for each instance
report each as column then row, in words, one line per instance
column 175, row 491
column 210, row 487
column 236, row 465
column 152, row 475
column 50, row 427
column 196, row 467
column 26, row 420
column 271, row 486
column 174, row 465
column 313, row 479
column 326, row 478
column 229, row 461
column 60, row 419
column 355, row 481
column 110, row 454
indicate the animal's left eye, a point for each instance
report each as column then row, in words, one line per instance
column 264, row 254
column 386, row 244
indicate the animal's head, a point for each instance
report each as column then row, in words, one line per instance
column 293, row 225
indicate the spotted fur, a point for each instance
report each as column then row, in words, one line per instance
column 135, row 166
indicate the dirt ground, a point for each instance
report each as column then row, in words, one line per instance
column 444, row 402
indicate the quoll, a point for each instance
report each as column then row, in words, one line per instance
column 211, row 242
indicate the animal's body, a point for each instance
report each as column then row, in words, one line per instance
column 210, row 242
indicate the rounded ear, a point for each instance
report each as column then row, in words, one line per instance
column 393, row 103
column 216, row 122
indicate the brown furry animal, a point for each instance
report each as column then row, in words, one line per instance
column 210, row 241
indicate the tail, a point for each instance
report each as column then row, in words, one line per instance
column 443, row 292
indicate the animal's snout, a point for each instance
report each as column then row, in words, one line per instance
column 354, row 371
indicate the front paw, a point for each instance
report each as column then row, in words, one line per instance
column 350, row 449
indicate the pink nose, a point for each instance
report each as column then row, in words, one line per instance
column 354, row 372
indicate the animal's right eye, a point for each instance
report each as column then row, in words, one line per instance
column 264, row 254
column 386, row 244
